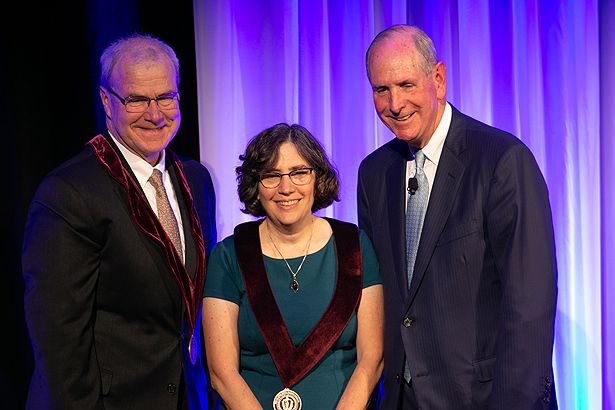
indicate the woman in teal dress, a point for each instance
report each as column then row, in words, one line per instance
column 293, row 303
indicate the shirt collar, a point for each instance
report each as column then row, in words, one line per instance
column 433, row 149
column 140, row 167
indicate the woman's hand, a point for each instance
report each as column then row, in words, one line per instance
column 222, row 350
column 370, row 347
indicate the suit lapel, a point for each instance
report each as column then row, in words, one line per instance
column 153, row 249
column 190, row 251
column 395, row 196
column 445, row 187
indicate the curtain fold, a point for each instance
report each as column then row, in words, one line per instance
column 606, row 85
column 540, row 70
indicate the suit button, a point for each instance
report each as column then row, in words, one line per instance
column 407, row 322
column 397, row 378
column 172, row 388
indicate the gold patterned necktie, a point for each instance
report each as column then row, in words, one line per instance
column 165, row 212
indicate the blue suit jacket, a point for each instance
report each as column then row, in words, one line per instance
column 476, row 323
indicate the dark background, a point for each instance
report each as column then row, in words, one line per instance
column 49, row 107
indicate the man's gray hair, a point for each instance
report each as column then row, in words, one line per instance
column 138, row 48
column 422, row 42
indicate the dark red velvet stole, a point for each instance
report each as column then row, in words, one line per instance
column 147, row 221
column 294, row 362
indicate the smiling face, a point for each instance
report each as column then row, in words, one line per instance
column 145, row 134
column 288, row 206
column 409, row 101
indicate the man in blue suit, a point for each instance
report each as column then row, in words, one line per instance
column 470, row 324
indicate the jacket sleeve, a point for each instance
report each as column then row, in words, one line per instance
column 520, row 237
column 60, row 259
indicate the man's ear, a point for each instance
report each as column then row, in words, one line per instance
column 104, row 97
column 439, row 78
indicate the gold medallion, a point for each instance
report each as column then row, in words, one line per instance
column 287, row 399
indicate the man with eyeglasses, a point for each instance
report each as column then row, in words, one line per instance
column 115, row 251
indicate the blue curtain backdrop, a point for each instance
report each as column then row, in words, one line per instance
column 541, row 70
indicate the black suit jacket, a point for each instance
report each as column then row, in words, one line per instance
column 105, row 315
column 476, row 323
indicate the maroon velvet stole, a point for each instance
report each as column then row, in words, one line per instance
column 147, row 221
column 294, row 362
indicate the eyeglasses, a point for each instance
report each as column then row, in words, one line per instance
column 140, row 104
column 301, row 176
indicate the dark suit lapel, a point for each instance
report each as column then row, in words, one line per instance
column 190, row 251
column 153, row 249
column 395, row 196
column 448, row 177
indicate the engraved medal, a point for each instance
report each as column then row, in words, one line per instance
column 287, row 399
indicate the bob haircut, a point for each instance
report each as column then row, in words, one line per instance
column 262, row 154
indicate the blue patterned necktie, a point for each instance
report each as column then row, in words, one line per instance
column 415, row 214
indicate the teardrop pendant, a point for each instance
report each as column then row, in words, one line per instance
column 294, row 285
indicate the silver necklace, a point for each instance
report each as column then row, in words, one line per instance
column 294, row 284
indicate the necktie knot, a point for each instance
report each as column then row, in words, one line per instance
column 156, row 179
column 419, row 158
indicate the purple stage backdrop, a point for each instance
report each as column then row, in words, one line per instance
column 542, row 70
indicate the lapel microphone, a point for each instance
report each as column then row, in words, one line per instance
column 413, row 185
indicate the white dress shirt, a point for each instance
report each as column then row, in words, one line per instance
column 143, row 170
column 432, row 151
